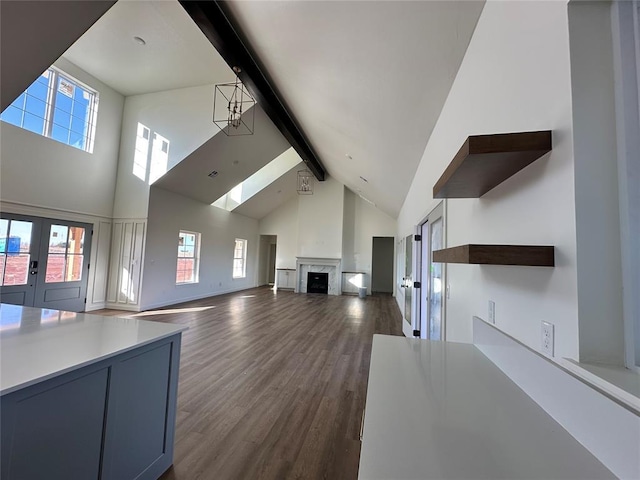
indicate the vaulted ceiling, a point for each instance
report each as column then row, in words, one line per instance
column 365, row 80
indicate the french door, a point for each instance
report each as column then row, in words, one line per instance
column 44, row 262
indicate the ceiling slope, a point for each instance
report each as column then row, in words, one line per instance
column 176, row 53
column 234, row 158
column 34, row 34
column 365, row 80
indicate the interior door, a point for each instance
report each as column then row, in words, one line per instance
column 63, row 273
column 19, row 248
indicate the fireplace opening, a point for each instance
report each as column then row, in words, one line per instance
column 317, row 282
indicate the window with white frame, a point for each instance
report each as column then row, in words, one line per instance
column 188, row 257
column 59, row 107
column 240, row 258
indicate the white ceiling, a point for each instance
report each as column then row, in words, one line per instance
column 364, row 78
column 176, row 54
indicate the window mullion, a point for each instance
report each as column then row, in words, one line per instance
column 51, row 103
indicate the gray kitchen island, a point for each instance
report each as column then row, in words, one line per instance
column 86, row 396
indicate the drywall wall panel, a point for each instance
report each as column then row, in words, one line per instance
column 168, row 214
column 320, row 221
column 42, row 172
column 283, row 222
column 182, row 116
column 515, row 77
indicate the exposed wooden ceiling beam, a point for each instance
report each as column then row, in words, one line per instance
column 215, row 21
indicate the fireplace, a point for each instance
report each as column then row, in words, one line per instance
column 317, row 282
column 330, row 266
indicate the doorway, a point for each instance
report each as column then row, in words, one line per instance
column 267, row 260
column 44, row 262
column 431, row 304
column 382, row 265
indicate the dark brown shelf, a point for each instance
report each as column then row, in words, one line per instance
column 524, row 255
column 485, row 161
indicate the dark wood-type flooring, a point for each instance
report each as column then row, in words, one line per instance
column 273, row 385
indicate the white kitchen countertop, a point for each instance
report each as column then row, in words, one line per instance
column 37, row 344
column 443, row 410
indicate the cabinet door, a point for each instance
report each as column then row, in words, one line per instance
column 54, row 431
column 138, row 423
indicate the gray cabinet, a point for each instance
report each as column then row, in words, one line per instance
column 285, row 279
column 111, row 420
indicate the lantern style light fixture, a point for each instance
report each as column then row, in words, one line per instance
column 305, row 182
column 233, row 110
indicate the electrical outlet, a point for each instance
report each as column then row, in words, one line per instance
column 492, row 312
column 547, row 339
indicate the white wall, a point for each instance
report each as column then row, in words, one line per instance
column 336, row 224
column 283, row 222
column 39, row 171
column 183, row 116
column 362, row 222
column 168, row 214
column 514, row 77
column 320, row 221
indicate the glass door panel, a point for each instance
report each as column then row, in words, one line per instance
column 435, row 282
column 408, row 277
column 18, row 259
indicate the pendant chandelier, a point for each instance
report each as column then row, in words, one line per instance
column 305, row 182
column 233, row 110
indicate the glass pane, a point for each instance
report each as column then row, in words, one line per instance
column 19, row 237
column 58, row 239
column 19, row 102
column 76, row 240
column 62, row 119
column 77, row 140
column 39, row 90
column 16, row 270
column 74, row 268
column 4, row 229
column 63, row 100
column 12, row 115
column 3, row 259
column 184, row 271
column 60, row 134
column 55, row 268
column 435, row 302
column 77, row 124
column 33, row 123
column 408, row 272
column 189, row 239
column 35, row 106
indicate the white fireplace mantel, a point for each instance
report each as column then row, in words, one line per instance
column 331, row 266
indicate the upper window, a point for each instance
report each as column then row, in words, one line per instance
column 59, row 107
column 188, row 257
column 240, row 259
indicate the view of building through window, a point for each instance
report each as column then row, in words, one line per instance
column 188, row 257
column 59, row 107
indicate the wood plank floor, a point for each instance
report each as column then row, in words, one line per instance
column 272, row 385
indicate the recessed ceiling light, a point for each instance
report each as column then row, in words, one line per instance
column 279, row 191
column 348, row 156
column 236, row 162
column 140, row 40
column 364, row 179
column 213, row 174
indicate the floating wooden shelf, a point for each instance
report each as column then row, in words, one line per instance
column 525, row 255
column 485, row 161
